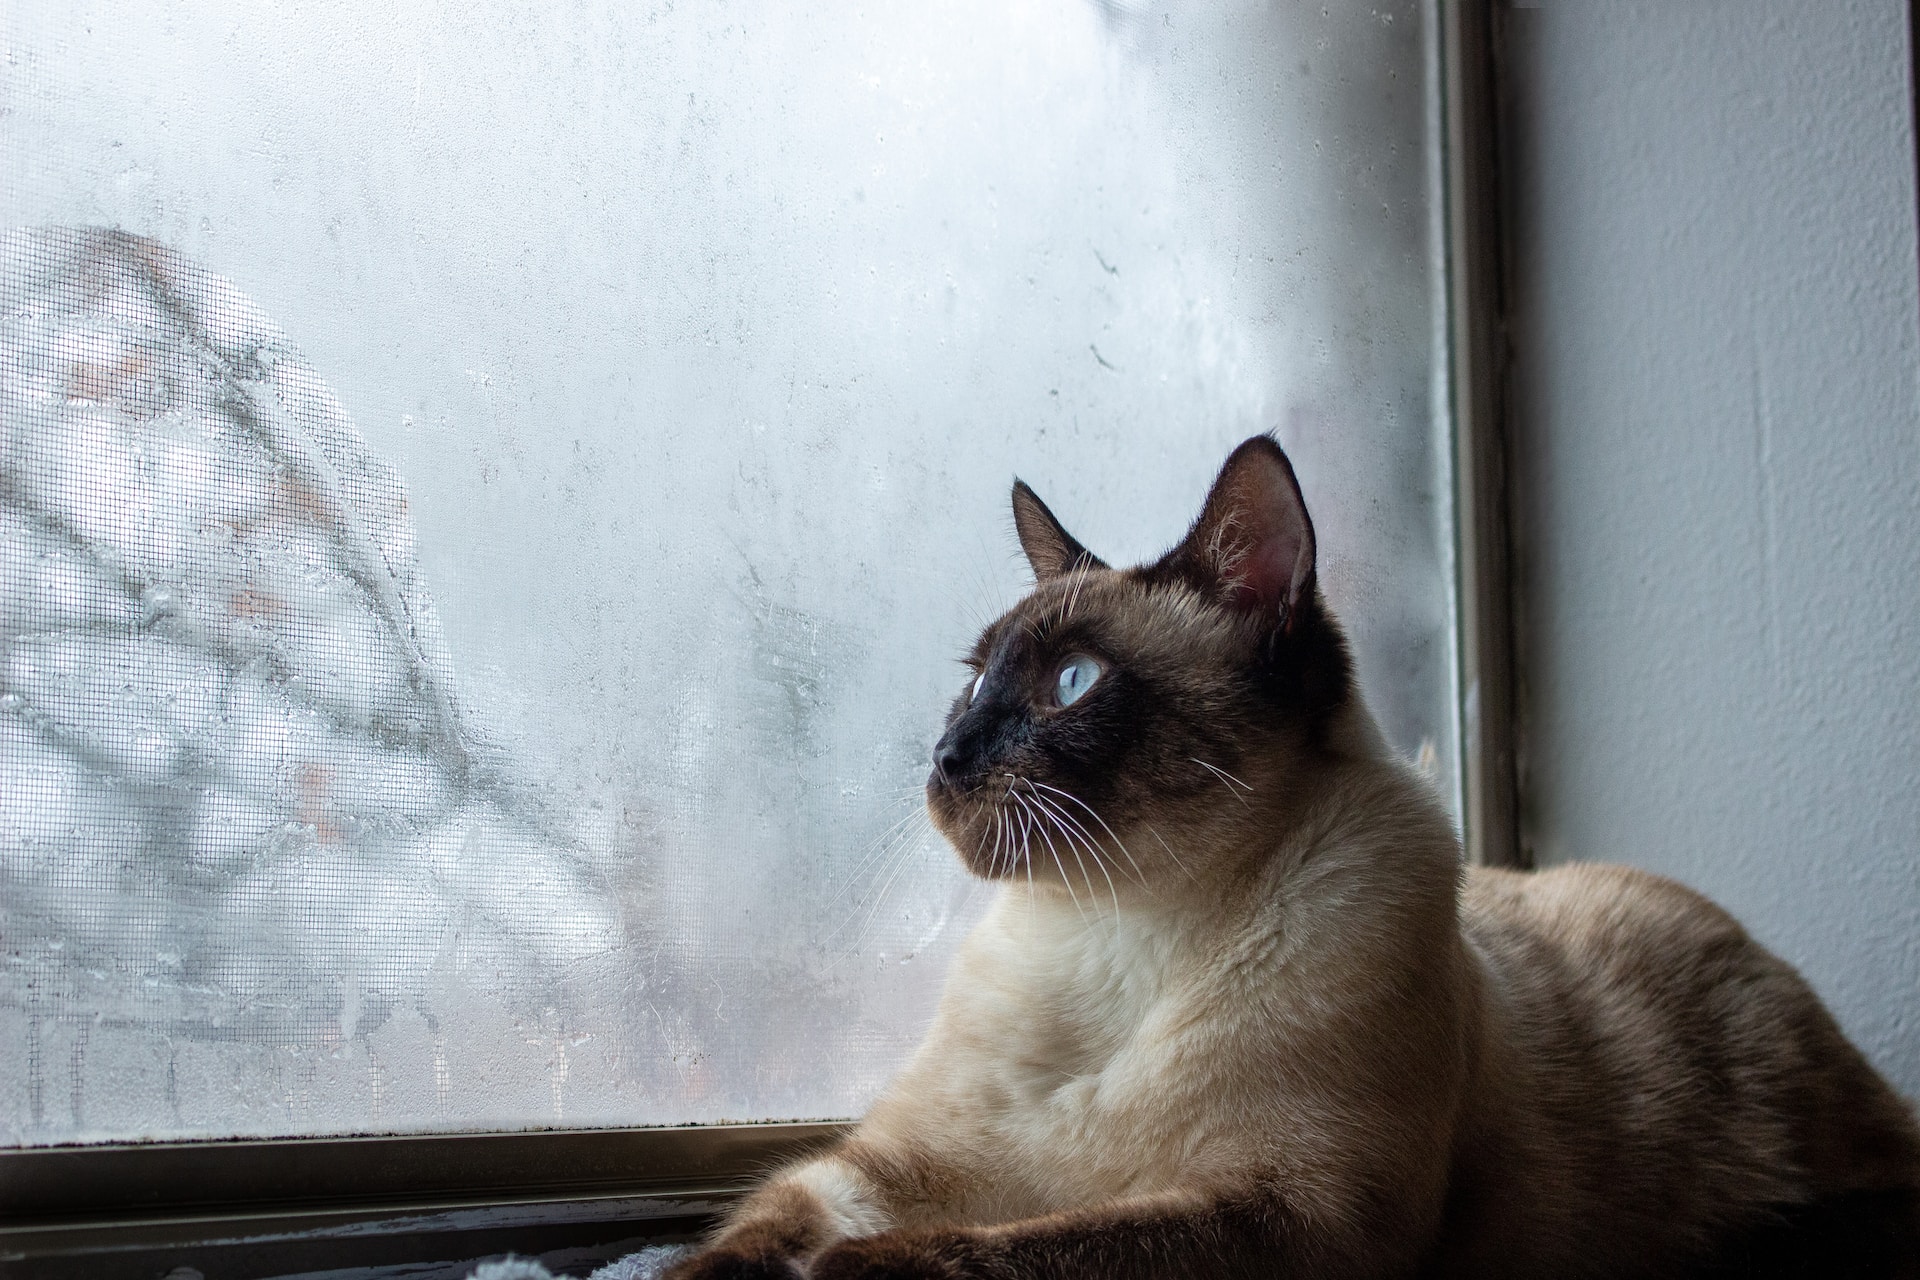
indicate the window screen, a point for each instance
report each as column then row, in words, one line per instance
column 491, row 497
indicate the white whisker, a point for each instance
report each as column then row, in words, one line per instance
column 899, row 864
column 1222, row 772
column 1040, row 820
column 1171, row 854
column 1032, row 824
column 1082, row 567
column 1226, row 778
column 1029, row 866
column 1118, row 842
column 897, row 855
column 1056, row 813
column 877, row 851
column 1111, row 833
column 882, row 849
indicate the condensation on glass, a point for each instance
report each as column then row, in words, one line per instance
column 491, row 497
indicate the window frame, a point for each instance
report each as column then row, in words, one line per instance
column 265, row 1207
column 1477, row 374
column 272, row 1206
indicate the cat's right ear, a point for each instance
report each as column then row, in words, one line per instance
column 1051, row 550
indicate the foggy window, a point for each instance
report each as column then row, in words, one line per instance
column 491, row 499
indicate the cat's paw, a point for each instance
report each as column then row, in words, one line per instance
column 734, row 1264
column 896, row 1255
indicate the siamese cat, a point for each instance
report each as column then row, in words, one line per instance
column 1239, row 1009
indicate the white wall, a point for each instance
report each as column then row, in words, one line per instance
column 1718, row 445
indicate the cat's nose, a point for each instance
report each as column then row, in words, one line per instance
column 948, row 760
column 957, row 756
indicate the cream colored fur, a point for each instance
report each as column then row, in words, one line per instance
column 1256, row 1021
column 1269, row 1025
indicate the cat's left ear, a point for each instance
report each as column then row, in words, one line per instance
column 1253, row 543
column 1051, row 550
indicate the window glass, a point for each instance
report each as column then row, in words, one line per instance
column 485, row 542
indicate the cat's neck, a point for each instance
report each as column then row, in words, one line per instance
column 1309, row 812
column 1280, row 835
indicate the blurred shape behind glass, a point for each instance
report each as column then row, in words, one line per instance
column 547, row 750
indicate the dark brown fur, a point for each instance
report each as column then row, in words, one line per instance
column 1238, row 1010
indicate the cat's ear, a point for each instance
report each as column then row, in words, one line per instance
column 1051, row 550
column 1253, row 543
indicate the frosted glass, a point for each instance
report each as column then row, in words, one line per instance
column 483, row 548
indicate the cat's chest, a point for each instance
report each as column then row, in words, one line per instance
column 1089, row 1056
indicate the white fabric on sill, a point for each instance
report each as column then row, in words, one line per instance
column 644, row 1265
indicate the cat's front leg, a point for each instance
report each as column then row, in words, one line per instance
column 1256, row 1233
column 790, row 1219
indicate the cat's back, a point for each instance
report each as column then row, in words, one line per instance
column 1653, row 1068
column 1607, row 928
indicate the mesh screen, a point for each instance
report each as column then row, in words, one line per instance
column 540, row 742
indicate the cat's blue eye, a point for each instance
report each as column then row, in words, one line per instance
column 1077, row 675
column 977, row 682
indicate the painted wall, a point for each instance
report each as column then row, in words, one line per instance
column 1716, row 334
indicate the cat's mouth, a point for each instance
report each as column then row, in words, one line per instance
column 1006, row 825
column 981, row 822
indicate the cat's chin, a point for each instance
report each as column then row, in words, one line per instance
column 981, row 838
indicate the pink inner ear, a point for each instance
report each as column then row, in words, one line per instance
column 1270, row 555
column 1272, row 573
column 1253, row 543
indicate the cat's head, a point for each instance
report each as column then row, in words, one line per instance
column 1134, row 725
